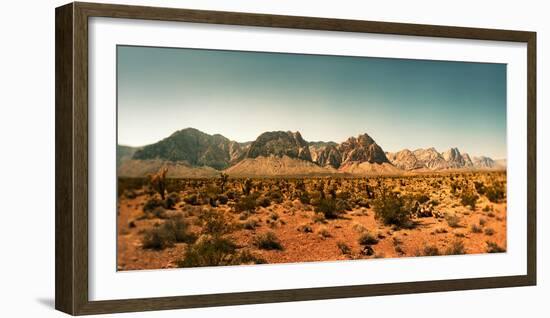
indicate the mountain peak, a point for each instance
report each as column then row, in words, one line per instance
column 361, row 149
column 279, row 144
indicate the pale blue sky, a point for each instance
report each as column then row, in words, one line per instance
column 400, row 103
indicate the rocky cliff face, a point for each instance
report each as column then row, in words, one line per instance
column 279, row 144
column 193, row 147
column 192, row 152
column 483, row 162
column 433, row 160
column 454, row 158
column 361, row 149
column 404, row 159
column 467, row 160
column 430, row 158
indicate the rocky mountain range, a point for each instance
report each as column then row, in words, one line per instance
column 192, row 153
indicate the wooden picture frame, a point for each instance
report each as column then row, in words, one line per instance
column 71, row 90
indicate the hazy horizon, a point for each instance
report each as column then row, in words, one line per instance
column 399, row 103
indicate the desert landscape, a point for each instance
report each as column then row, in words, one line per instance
column 194, row 199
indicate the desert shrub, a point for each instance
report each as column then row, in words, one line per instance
column 480, row 187
column 159, row 212
column 130, row 194
column 493, row 247
column 342, row 205
column 303, row 196
column 223, row 199
column 431, row 250
column 434, row 202
column 440, row 230
column 453, row 220
column 496, row 192
column 343, row 195
column 482, row 222
column 328, row 208
column 367, row 239
column 475, row 228
column 247, row 203
column 263, row 201
column 246, row 257
column 276, row 196
column 267, row 241
column 174, row 230
column 209, row 251
column 157, row 238
column 359, row 228
column 251, row 224
column 486, row 208
column 215, row 223
column 192, row 199
column 468, row 198
column 456, row 248
column 489, row 231
column 171, row 200
column 231, row 195
column 344, row 248
column 152, row 203
column 323, row 232
column 422, row 198
column 306, row 228
column 180, row 229
column 392, row 209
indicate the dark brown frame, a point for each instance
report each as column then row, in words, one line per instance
column 71, row 157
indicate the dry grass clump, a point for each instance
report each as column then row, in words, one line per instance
column 367, row 239
column 344, row 248
column 489, row 231
column 493, row 247
column 162, row 236
column 431, row 250
column 324, row 232
column 453, row 220
column 456, row 248
column 267, row 241
column 474, row 228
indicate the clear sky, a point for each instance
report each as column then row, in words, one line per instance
column 400, row 103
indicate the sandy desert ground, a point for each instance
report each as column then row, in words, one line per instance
column 233, row 221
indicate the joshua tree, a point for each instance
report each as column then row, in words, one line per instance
column 158, row 181
column 223, row 180
column 247, row 186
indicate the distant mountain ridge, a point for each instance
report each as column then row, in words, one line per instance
column 193, row 153
column 431, row 159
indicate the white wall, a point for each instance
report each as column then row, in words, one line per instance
column 27, row 156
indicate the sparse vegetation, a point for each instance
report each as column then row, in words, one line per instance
column 267, row 241
column 474, row 228
column 392, row 209
column 469, row 198
column 453, row 220
column 344, row 248
column 493, row 247
column 223, row 220
column 431, row 250
column 456, row 248
column 367, row 239
column 496, row 192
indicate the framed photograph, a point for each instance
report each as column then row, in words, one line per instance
column 211, row 158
